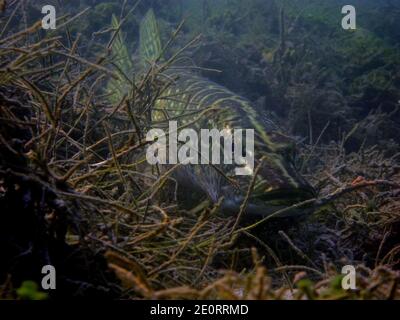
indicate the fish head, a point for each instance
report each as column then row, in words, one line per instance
column 277, row 185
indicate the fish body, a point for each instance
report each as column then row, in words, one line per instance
column 199, row 103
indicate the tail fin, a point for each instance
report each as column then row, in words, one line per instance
column 150, row 41
column 117, row 87
column 120, row 51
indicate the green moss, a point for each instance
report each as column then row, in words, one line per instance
column 29, row 290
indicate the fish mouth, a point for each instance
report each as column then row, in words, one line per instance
column 280, row 203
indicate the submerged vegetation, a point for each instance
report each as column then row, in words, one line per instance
column 76, row 191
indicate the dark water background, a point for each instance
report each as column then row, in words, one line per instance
column 291, row 57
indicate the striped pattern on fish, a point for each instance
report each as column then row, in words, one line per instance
column 190, row 97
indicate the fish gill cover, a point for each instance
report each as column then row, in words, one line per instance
column 80, row 94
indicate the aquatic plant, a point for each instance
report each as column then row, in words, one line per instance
column 74, row 183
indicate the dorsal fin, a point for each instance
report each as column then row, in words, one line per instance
column 150, row 41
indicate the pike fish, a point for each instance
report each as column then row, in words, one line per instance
column 197, row 102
